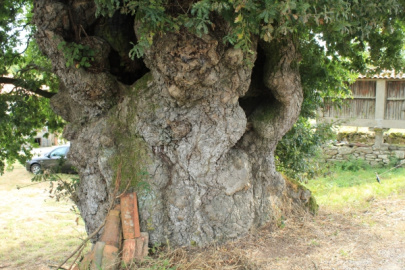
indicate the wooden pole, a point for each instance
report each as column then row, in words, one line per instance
column 137, row 228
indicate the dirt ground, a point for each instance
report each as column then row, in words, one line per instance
column 371, row 239
column 34, row 229
column 367, row 239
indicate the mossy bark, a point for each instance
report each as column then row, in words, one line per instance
column 204, row 165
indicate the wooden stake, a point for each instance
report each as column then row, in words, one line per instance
column 137, row 228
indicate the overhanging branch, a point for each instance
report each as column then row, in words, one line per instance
column 16, row 82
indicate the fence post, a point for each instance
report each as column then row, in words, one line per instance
column 380, row 101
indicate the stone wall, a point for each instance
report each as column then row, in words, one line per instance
column 397, row 138
column 375, row 156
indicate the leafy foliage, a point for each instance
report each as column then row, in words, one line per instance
column 77, row 55
column 299, row 154
column 14, row 30
column 22, row 111
column 346, row 27
column 331, row 60
column 353, row 165
column 18, row 124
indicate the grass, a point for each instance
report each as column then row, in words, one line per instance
column 36, row 231
column 353, row 184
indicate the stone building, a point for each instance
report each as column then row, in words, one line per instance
column 45, row 139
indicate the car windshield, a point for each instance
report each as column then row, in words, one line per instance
column 59, row 152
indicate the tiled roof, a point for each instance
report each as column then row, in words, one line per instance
column 386, row 74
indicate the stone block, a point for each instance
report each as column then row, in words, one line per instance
column 383, row 156
column 374, row 163
column 331, row 152
column 345, row 150
column 381, row 148
column 384, row 148
column 365, row 150
column 392, row 147
column 400, row 154
column 373, row 156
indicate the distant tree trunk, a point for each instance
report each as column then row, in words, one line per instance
column 193, row 124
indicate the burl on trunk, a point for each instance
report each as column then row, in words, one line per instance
column 194, row 124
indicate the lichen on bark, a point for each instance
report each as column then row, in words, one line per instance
column 211, row 175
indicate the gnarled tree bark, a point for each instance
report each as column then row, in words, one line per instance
column 204, row 132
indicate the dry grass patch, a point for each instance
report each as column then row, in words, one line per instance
column 372, row 239
column 36, row 231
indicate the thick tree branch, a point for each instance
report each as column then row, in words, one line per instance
column 16, row 82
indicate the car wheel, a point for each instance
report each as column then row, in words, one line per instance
column 35, row 168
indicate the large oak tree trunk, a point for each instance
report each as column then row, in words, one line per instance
column 195, row 130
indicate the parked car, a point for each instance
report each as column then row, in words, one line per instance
column 54, row 161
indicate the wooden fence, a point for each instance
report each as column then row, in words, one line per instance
column 375, row 103
column 395, row 103
column 362, row 105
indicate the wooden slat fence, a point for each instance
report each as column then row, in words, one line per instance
column 362, row 105
column 395, row 103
